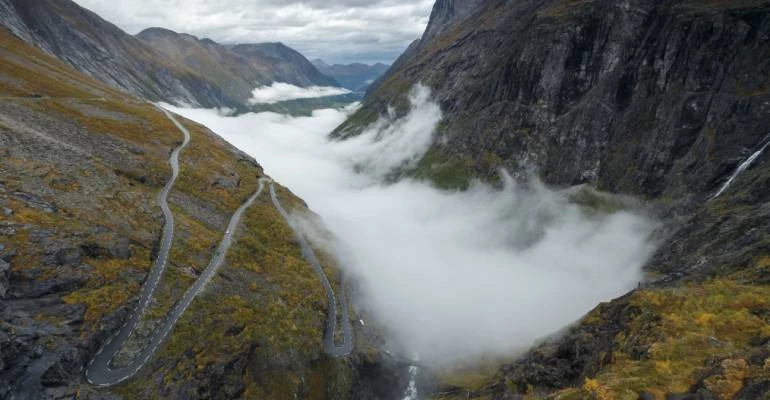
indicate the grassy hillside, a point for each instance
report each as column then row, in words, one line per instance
column 81, row 165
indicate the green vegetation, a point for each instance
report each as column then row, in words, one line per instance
column 356, row 123
column 208, row 158
column 266, row 306
column 266, row 300
column 719, row 319
column 593, row 201
column 110, row 284
column 460, row 380
column 703, row 333
column 444, row 172
column 710, row 334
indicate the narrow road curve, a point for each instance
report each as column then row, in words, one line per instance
column 331, row 318
column 100, row 371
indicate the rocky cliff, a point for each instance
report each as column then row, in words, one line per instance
column 564, row 88
column 659, row 99
column 81, row 166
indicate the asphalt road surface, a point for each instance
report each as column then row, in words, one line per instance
column 331, row 317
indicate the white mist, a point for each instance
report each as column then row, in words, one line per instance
column 453, row 275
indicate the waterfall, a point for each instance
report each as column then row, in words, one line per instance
column 411, row 390
column 744, row 166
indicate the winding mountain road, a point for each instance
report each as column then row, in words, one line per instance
column 100, row 371
column 330, row 347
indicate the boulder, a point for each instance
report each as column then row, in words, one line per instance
column 64, row 370
column 121, row 248
column 69, row 256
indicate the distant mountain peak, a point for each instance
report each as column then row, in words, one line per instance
column 319, row 63
column 156, row 31
column 356, row 76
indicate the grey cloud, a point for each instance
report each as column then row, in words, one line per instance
column 335, row 30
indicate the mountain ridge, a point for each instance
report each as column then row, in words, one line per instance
column 356, row 76
column 158, row 64
column 92, row 45
column 238, row 72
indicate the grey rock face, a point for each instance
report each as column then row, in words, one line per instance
column 64, row 370
column 35, row 201
column 5, row 272
column 640, row 97
column 121, row 249
column 69, row 256
column 446, row 12
column 31, row 289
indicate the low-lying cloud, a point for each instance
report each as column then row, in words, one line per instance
column 452, row 275
column 279, row 91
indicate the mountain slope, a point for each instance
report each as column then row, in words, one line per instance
column 283, row 64
column 236, row 73
column 356, row 77
column 658, row 99
column 81, row 165
column 94, row 46
column 228, row 70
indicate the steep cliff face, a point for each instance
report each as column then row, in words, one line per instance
column 447, row 12
column 81, row 166
column 658, row 99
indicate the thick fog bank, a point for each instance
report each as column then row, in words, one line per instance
column 452, row 274
column 279, row 91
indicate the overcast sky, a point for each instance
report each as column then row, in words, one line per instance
column 335, row 30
